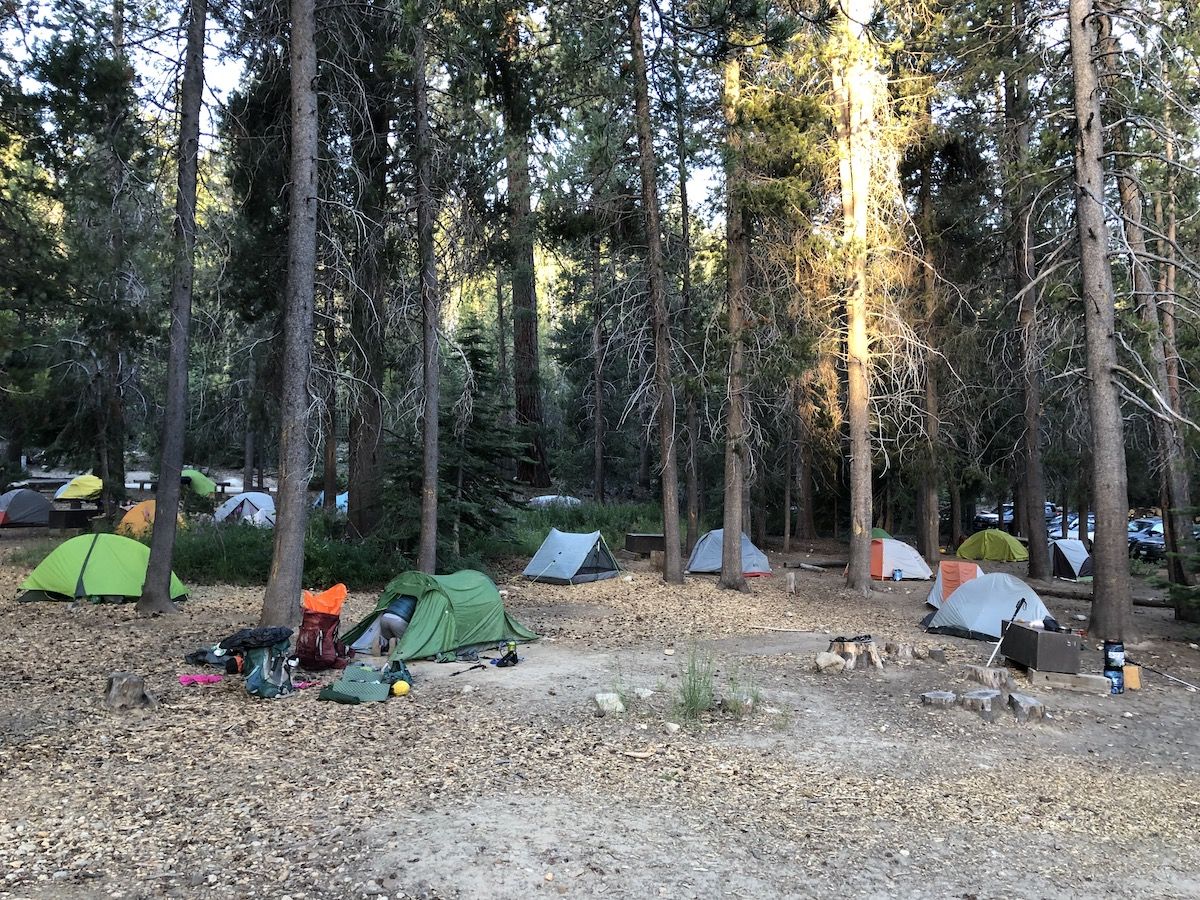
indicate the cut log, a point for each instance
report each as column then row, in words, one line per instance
column 898, row 651
column 128, row 691
column 791, row 582
column 938, row 698
column 851, row 651
column 993, row 677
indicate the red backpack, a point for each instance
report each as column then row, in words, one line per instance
column 317, row 645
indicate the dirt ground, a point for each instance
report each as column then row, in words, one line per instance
column 505, row 783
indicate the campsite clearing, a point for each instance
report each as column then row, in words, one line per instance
column 504, row 783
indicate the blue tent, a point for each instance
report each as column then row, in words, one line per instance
column 568, row 558
column 341, row 501
column 706, row 555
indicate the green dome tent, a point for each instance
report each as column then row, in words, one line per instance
column 93, row 565
column 452, row 612
column 879, row 533
column 201, row 484
column 993, row 544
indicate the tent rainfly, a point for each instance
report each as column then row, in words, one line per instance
column 976, row 609
column 139, row 519
column 243, row 507
column 879, row 533
column 706, row 556
column 951, row 575
column 889, row 554
column 23, row 507
column 993, row 544
column 1070, row 559
column 93, row 565
column 449, row 612
column 81, row 487
column 341, row 502
column 569, row 558
column 201, row 484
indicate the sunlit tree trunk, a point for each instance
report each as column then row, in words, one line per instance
column 430, row 311
column 281, row 604
column 1112, row 602
column 156, row 594
column 656, row 271
column 737, row 251
column 927, row 489
column 854, row 95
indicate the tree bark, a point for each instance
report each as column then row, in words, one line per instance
column 368, row 304
column 281, row 604
column 1112, row 604
column 691, row 463
column 927, row 490
column 1024, row 267
column 598, row 421
column 656, row 271
column 329, row 482
column 515, row 105
column 737, row 253
column 956, row 514
column 156, row 594
column 789, row 460
column 430, row 311
column 854, row 95
column 248, row 413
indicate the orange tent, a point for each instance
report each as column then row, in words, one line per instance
column 952, row 574
column 139, row 519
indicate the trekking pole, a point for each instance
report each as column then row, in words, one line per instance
column 1004, row 631
column 1186, row 684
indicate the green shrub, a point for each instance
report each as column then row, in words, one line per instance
column 696, row 692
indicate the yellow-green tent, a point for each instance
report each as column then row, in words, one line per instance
column 81, row 487
column 201, row 484
column 993, row 544
column 94, row 565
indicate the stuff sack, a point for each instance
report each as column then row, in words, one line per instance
column 317, row 645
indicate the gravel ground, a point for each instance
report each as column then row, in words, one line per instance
column 504, row 783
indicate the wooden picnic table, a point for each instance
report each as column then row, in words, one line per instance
column 645, row 544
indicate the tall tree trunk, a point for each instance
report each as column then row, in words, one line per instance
column 691, row 463
column 249, row 402
column 156, row 594
column 329, row 481
column 430, row 311
column 789, row 466
column 1167, row 274
column 509, row 465
column 956, row 514
column 515, row 105
column 1112, row 605
column 1024, row 268
column 598, row 422
column 281, row 604
column 927, row 489
column 656, row 271
column 368, row 304
column 854, row 95
column 737, row 250
column 1172, row 454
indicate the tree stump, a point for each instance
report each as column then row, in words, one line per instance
column 128, row 691
column 850, row 650
column 898, row 650
column 791, row 582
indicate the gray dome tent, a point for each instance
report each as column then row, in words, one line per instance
column 976, row 609
column 1070, row 559
column 23, row 507
column 569, row 558
column 706, row 556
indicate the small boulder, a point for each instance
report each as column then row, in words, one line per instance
column 920, row 653
column 671, row 727
column 938, row 655
column 994, row 677
column 608, row 703
column 898, row 650
column 938, row 698
column 829, row 662
column 1026, row 708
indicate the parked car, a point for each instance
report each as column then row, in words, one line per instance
column 1142, row 527
column 1150, row 544
column 1054, row 526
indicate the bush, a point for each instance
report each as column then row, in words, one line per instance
column 696, row 692
column 241, row 554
